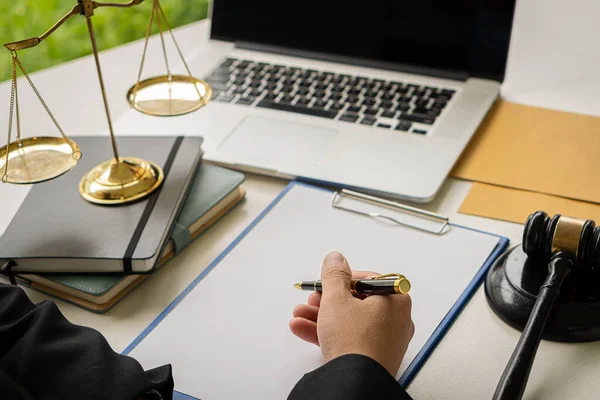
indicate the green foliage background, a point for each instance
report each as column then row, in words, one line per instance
column 22, row 19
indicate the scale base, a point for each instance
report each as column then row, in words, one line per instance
column 513, row 282
column 119, row 182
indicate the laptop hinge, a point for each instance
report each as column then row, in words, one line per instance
column 410, row 69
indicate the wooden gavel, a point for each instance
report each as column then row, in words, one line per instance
column 565, row 245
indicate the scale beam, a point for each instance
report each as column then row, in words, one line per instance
column 77, row 10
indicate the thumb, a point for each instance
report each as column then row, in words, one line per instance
column 336, row 275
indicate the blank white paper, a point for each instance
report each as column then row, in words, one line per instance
column 229, row 337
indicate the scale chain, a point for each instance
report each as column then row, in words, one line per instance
column 157, row 8
column 178, row 49
column 10, row 113
column 76, row 154
column 137, row 85
column 162, row 38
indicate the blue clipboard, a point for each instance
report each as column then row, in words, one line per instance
column 422, row 355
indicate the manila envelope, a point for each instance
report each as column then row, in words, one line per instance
column 515, row 205
column 536, row 150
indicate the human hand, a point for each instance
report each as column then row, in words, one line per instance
column 379, row 327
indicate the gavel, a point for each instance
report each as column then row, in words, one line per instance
column 564, row 246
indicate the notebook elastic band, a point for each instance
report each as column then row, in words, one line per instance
column 137, row 234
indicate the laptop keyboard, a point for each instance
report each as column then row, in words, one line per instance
column 353, row 99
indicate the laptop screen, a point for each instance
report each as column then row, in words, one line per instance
column 466, row 36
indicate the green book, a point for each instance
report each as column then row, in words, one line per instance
column 213, row 193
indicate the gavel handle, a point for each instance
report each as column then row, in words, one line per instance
column 515, row 376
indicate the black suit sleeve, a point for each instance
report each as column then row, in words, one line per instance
column 350, row 377
column 44, row 356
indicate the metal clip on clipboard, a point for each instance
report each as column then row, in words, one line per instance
column 408, row 210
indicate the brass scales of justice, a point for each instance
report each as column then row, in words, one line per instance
column 119, row 180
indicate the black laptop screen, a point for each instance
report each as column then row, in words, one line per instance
column 469, row 36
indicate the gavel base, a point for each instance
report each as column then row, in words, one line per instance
column 511, row 289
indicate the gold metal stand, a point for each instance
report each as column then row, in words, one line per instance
column 119, row 180
column 167, row 95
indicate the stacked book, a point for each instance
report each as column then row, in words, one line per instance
column 92, row 255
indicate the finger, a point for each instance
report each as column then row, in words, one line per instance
column 305, row 330
column 306, row 311
column 314, row 299
column 363, row 274
column 403, row 304
column 336, row 276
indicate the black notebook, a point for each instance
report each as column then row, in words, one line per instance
column 56, row 230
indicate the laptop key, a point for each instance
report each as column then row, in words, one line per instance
column 369, row 102
column 255, row 93
column 245, row 100
column 271, row 96
column 226, row 98
column 349, row 117
column 217, row 85
column 335, row 97
column 420, row 118
column 239, row 90
column 370, row 111
column 386, row 105
column 321, row 103
column 300, row 109
column 419, row 131
column 421, row 103
column 388, row 114
column 403, row 107
column 354, row 109
column 403, row 126
column 384, row 126
column 368, row 121
column 336, row 106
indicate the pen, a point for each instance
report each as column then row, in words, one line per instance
column 376, row 285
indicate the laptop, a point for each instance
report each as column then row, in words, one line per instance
column 379, row 97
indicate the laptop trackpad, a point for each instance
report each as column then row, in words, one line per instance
column 268, row 142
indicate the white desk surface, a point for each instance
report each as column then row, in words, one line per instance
column 548, row 66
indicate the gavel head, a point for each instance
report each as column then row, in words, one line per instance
column 544, row 236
